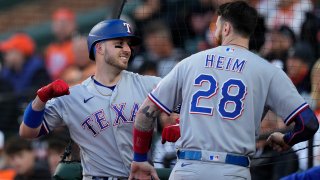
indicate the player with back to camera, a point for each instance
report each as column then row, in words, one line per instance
column 100, row 111
column 223, row 92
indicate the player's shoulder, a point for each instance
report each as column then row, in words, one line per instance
column 139, row 77
column 194, row 58
column 79, row 88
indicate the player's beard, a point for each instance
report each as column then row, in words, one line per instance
column 219, row 39
column 117, row 62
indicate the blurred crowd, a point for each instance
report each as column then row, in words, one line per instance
column 287, row 35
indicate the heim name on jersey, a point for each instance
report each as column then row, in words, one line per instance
column 224, row 63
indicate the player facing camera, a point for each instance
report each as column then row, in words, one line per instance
column 105, row 111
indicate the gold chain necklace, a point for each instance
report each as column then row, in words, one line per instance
column 95, row 86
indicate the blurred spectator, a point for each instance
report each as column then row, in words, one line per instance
column 146, row 10
column 310, row 32
column 210, row 37
column 59, row 54
column 159, row 48
column 23, row 160
column 290, row 13
column 264, row 7
column 277, row 44
column 72, row 75
column 148, row 68
column 22, row 68
column 80, row 49
column 56, row 147
column 276, row 166
column 83, row 66
column 142, row 11
column 8, row 109
column 58, row 140
column 299, row 63
column 173, row 12
column 198, row 21
column 6, row 173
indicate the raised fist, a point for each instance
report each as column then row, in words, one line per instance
column 170, row 133
column 55, row 89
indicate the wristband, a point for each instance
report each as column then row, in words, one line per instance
column 32, row 118
column 142, row 141
column 140, row 157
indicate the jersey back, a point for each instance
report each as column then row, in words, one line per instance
column 223, row 92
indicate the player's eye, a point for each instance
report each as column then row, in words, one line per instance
column 118, row 46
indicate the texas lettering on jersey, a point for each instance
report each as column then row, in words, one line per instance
column 98, row 121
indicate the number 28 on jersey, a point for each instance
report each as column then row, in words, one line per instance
column 233, row 93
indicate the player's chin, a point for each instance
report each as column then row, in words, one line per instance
column 123, row 66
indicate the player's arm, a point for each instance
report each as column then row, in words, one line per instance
column 306, row 125
column 142, row 137
column 33, row 115
column 31, row 126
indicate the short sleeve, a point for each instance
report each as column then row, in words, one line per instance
column 151, row 82
column 283, row 98
column 167, row 94
column 53, row 114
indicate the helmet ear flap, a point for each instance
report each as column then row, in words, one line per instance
column 94, row 52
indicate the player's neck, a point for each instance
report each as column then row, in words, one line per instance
column 108, row 77
column 236, row 41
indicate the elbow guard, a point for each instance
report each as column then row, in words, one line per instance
column 306, row 125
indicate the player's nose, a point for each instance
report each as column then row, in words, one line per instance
column 126, row 47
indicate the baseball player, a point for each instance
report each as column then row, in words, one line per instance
column 100, row 111
column 223, row 92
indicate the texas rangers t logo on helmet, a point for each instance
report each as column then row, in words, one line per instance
column 128, row 27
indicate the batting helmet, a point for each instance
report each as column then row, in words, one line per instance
column 110, row 29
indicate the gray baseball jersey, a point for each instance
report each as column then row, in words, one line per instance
column 223, row 92
column 101, row 121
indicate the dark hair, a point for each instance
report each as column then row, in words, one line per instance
column 287, row 31
column 147, row 65
column 242, row 16
column 303, row 51
column 156, row 26
column 16, row 144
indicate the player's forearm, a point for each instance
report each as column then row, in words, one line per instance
column 32, row 119
column 306, row 125
column 147, row 116
column 143, row 130
column 37, row 104
column 27, row 132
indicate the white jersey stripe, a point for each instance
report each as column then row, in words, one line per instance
column 159, row 104
column 295, row 112
column 45, row 125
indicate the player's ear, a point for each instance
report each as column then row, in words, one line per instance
column 99, row 48
column 226, row 28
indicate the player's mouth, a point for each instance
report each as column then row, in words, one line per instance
column 124, row 57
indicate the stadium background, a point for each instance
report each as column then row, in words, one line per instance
column 287, row 35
